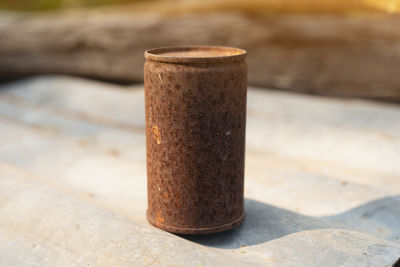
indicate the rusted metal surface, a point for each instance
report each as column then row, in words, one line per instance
column 195, row 137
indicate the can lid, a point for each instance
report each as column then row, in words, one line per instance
column 195, row 54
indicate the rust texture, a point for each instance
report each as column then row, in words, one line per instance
column 195, row 137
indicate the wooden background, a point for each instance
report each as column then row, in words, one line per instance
column 318, row 47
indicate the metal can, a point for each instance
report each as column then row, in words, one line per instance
column 195, row 137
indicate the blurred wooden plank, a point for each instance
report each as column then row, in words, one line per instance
column 330, row 54
column 250, row 6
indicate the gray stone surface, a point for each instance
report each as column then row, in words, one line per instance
column 322, row 181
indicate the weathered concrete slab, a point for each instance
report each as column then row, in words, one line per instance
column 322, row 181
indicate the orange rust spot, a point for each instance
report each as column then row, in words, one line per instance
column 89, row 194
column 83, row 142
column 113, row 152
column 160, row 218
column 165, row 195
column 157, row 134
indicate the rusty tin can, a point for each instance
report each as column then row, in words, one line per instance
column 195, row 137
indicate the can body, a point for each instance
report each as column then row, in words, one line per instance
column 195, row 138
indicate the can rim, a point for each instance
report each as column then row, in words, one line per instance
column 195, row 54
